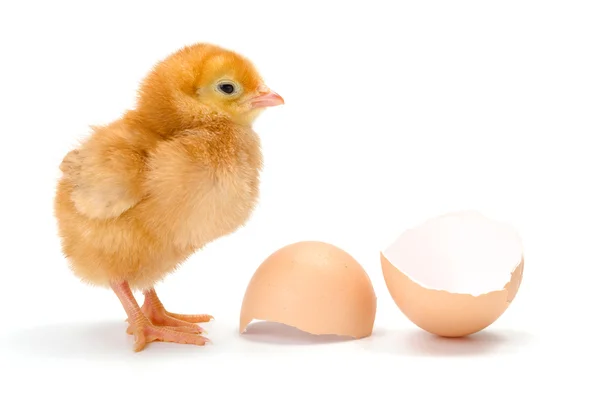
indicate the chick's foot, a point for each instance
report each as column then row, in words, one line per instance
column 145, row 331
column 158, row 315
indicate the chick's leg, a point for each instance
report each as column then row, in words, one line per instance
column 143, row 329
column 156, row 312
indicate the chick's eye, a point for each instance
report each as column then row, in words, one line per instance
column 226, row 88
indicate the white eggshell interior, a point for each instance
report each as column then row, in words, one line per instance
column 463, row 252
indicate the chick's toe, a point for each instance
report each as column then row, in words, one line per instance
column 155, row 311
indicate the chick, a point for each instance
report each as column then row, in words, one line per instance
column 181, row 169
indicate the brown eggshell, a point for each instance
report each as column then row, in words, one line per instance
column 313, row 286
column 448, row 314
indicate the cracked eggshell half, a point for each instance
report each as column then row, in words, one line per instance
column 455, row 274
column 313, row 286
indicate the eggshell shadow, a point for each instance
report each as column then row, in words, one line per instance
column 419, row 343
column 276, row 333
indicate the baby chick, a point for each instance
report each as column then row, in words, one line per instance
column 181, row 169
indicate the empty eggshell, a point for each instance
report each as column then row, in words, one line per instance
column 456, row 274
column 313, row 286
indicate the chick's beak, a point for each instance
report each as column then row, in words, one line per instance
column 266, row 98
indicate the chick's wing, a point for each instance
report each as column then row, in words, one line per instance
column 106, row 173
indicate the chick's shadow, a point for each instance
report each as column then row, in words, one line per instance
column 101, row 340
column 418, row 343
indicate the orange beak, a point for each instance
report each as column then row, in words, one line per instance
column 267, row 98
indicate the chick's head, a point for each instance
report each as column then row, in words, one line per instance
column 201, row 81
column 231, row 84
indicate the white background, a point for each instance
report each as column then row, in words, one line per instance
column 395, row 112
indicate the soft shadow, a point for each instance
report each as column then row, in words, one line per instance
column 103, row 340
column 276, row 333
column 419, row 343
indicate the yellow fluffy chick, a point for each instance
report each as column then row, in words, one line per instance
column 143, row 193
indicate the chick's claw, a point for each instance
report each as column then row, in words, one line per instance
column 193, row 318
